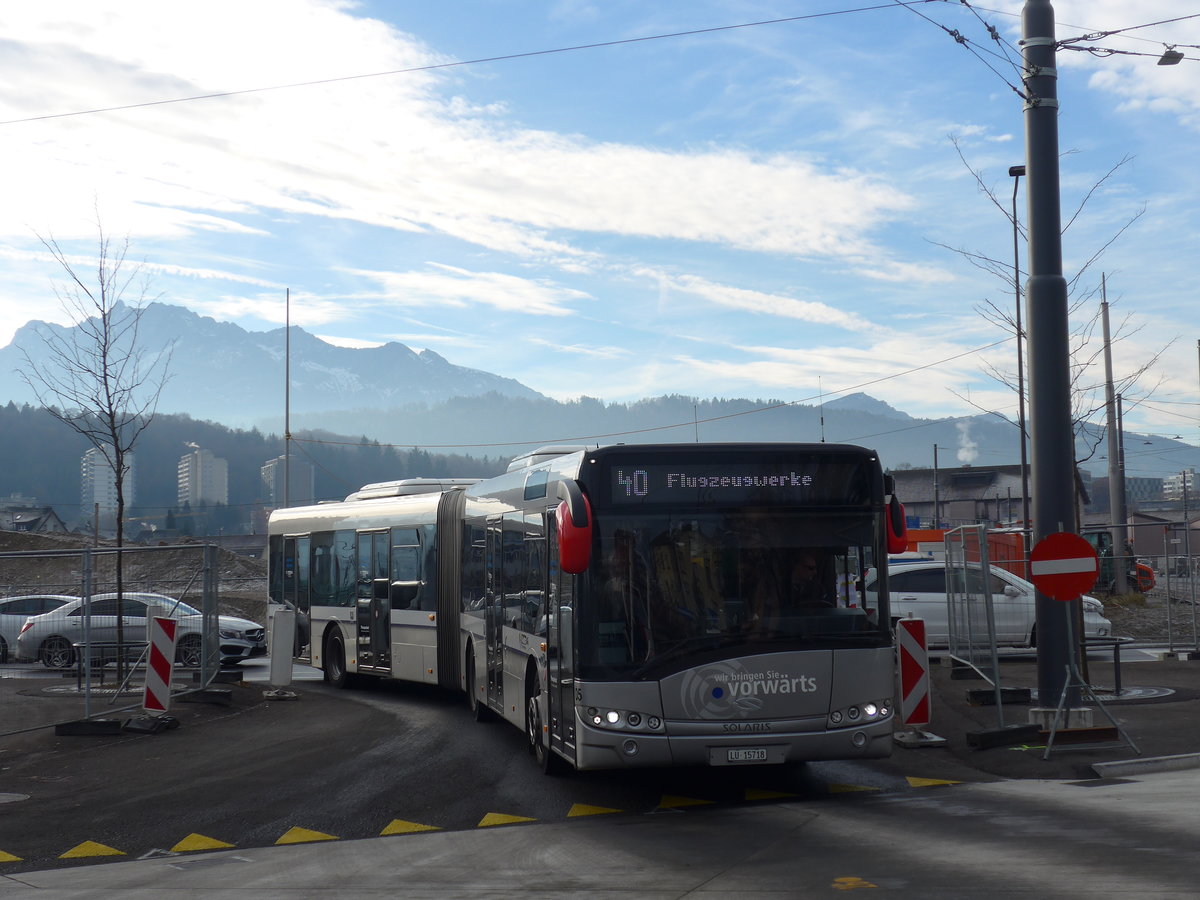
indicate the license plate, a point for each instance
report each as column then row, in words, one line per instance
column 747, row 754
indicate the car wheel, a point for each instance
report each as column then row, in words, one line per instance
column 334, row 667
column 3, row 650
column 57, row 653
column 189, row 652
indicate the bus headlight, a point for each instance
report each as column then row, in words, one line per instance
column 870, row 711
column 621, row 720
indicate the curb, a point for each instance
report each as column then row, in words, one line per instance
column 1122, row 767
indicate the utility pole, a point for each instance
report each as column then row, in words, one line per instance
column 1052, row 445
column 937, row 510
column 1116, row 473
column 287, row 397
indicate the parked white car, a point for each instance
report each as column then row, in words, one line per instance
column 15, row 610
column 51, row 637
column 918, row 588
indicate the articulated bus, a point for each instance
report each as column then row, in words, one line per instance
column 627, row 605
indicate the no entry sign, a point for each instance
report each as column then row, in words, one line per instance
column 1063, row 566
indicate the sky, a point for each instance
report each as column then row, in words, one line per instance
column 617, row 199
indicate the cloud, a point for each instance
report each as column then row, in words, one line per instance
column 394, row 152
column 758, row 302
column 1136, row 78
column 444, row 285
column 593, row 352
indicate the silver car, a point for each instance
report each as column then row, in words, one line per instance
column 15, row 610
column 919, row 589
column 52, row 637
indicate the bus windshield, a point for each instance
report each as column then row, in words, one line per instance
column 670, row 590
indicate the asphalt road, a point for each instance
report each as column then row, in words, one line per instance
column 395, row 791
column 333, row 764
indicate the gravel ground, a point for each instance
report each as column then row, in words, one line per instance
column 1153, row 616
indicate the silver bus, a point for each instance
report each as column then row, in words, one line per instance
column 625, row 606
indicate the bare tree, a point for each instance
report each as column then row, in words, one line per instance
column 1087, row 349
column 96, row 376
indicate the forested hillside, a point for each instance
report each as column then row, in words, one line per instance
column 40, row 458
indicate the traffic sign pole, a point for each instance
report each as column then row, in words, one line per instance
column 1062, row 566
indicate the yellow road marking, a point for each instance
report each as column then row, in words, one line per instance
column 194, row 842
column 90, row 848
column 399, row 826
column 849, row 788
column 928, row 782
column 501, row 819
column 304, row 836
column 8, row 857
column 582, row 809
column 851, row 883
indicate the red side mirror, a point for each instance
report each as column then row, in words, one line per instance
column 897, row 527
column 574, row 521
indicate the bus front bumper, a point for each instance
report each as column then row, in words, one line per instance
column 601, row 749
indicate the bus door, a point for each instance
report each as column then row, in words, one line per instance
column 494, row 618
column 374, row 610
column 560, row 650
column 295, row 591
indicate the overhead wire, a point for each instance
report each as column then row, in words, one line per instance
column 909, row 5
column 976, row 51
column 464, row 62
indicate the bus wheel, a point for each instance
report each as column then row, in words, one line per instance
column 478, row 710
column 536, row 735
column 334, row 669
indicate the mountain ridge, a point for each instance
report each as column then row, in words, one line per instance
column 392, row 394
column 243, row 374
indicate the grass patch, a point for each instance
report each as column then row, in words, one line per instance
column 1126, row 601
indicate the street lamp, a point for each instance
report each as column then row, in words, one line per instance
column 1016, row 172
column 1170, row 57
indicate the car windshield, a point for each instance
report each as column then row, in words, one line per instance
column 671, row 591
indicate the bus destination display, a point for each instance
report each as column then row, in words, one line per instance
column 736, row 482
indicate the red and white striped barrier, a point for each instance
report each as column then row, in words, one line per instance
column 913, row 662
column 914, row 672
column 161, row 637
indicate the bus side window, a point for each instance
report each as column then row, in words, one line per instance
column 406, row 573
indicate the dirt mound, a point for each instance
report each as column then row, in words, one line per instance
column 54, row 563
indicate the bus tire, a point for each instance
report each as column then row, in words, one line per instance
column 535, row 734
column 334, row 666
column 479, row 710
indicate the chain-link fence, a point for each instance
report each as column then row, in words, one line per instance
column 75, row 621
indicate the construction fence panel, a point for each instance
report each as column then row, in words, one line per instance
column 74, row 622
